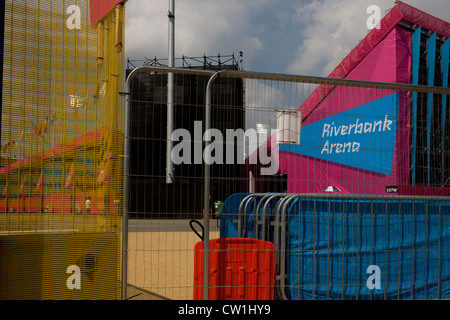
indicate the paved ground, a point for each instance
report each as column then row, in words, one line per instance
column 135, row 293
column 161, row 258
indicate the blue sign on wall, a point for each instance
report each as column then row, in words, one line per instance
column 362, row 137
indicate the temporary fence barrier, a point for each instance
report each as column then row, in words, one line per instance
column 63, row 138
column 255, row 201
column 354, row 246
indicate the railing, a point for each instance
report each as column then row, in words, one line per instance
column 340, row 231
column 263, row 94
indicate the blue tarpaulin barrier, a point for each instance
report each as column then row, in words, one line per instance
column 332, row 243
column 363, row 249
column 229, row 214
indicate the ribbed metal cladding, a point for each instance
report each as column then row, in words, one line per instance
column 61, row 174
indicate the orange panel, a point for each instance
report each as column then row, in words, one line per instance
column 32, row 204
column 59, row 203
column 3, row 205
column 16, row 204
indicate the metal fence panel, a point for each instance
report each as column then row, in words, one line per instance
column 347, row 240
column 324, row 247
column 357, row 247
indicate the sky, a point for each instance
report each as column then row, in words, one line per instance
column 279, row 36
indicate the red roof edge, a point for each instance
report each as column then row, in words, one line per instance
column 353, row 59
column 100, row 8
column 427, row 21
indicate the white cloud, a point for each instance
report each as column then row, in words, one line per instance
column 332, row 28
column 292, row 36
column 201, row 27
column 144, row 28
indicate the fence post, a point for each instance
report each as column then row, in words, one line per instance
column 207, row 186
column 126, row 170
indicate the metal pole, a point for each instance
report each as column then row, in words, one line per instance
column 126, row 166
column 207, row 161
column 170, row 92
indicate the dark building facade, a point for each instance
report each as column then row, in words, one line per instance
column 151, row 196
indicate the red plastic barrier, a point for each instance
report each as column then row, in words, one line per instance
column 210, row 214
column 239, row 269
column 60, row 203
column 16, row 205
column 32, row 204
column 3, row 207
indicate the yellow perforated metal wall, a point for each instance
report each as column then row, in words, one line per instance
column 61, row 144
